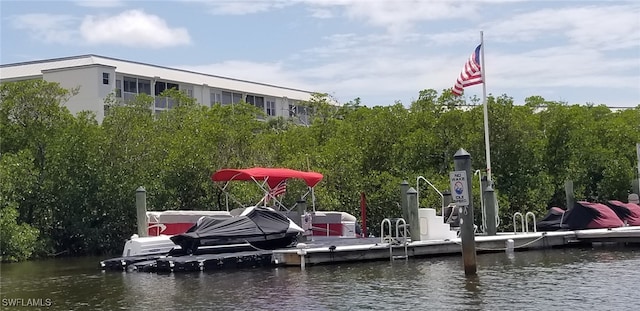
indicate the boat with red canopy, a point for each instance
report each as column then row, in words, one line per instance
column 329, row 224
column 320, row 224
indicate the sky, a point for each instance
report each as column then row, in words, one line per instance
column 381, row 52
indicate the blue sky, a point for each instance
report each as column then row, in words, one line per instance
column 379, row 51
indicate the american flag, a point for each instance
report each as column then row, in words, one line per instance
column 279, row 189
column 471, row 73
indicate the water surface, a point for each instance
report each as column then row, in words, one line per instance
column 604, row 278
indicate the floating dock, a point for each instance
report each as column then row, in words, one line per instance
column 327, row 251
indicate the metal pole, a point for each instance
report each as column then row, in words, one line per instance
column 484, row 107
column 483, row 197
column 404, row 187
column 302, row 208
column 414, row 220
column 462, row 162
column 141, row 208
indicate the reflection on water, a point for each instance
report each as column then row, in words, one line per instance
column 570, row 279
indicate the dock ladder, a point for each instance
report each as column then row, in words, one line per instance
column 524, row 222
column 391, row 240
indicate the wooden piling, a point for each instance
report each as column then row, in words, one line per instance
column 141, row 208
column 462, row 162
column 414, row 217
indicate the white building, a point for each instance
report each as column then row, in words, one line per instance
column 98, row 76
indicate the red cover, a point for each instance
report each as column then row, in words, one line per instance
column 606, row 217
column 273, row 175
column 630, row 212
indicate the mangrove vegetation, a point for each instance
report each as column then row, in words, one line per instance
column 67, row 182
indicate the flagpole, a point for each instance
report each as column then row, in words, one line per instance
column 484, row 108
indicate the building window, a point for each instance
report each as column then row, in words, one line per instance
column 271, row 108
column 229, row 98
column 161, row 102
column 164, row 102
column 188, row 91
column 226, row 98
column 237, row 98
column 257, row 101
column 105, row 78
column 118, row 88
column 216, row 98
column 144, row 86
column 130, row 85
column 162, row 86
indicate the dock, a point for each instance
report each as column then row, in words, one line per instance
column 484, row 244
column 340, row 250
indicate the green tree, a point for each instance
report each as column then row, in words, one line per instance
column 18, row 240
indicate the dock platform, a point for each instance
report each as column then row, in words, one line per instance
column 327, row 251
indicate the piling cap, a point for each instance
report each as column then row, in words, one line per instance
column 489, row 189
column 461, row 153
column 412, row 191
column 141, row 189
column 404, row 183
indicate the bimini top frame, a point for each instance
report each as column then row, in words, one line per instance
column 267, row 179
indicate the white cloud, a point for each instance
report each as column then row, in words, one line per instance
column 132, row 28
column 243, row 7
column 600, row 27
column 398, row 16
column 100, row 3
column 269, row 73
column 321, row 13
column 565, row 66
column 395, row 16
column 129, row 28
column 50, row 28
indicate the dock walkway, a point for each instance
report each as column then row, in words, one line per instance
column 327, row 251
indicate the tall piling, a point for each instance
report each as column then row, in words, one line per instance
column 462, row 163
column 141, row 209
column 404, row 187
column 414, row 218
column 569, row 194
column 490, row 208
column 446, row 197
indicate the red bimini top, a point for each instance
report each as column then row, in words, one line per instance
column 273, row 176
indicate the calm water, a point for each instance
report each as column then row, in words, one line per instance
column 570, row 279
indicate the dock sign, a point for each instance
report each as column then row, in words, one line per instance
column 459, row 189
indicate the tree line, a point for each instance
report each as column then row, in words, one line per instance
column 68, row 183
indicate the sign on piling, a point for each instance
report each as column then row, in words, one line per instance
column 459, row 189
